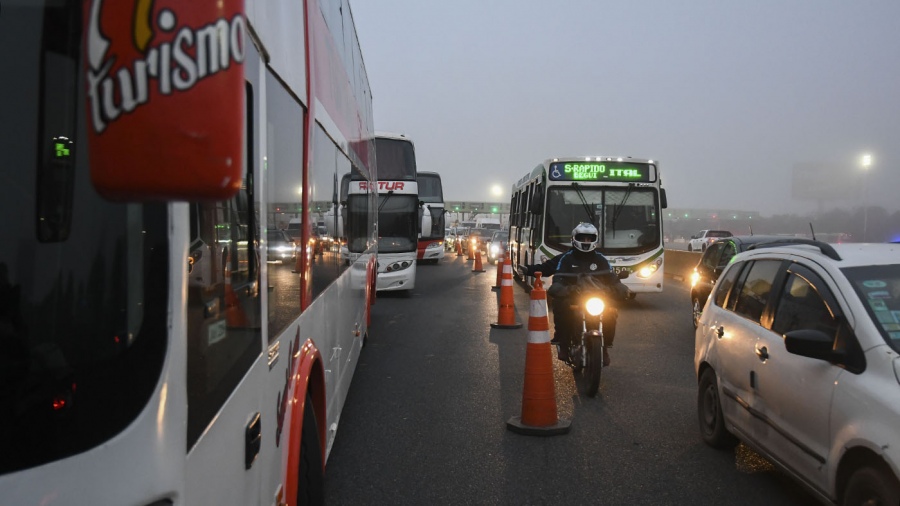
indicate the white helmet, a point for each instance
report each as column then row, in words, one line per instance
column 585, row 237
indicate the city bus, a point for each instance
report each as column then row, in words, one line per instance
column 621, row 196
column 154, row 350
column 398, row 212
column 431, row 216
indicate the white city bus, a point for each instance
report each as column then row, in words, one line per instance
column 622, row 197
column 398, row 212
column 150, row 354
column 431, row 216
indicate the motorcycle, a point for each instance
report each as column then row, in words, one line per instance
column 585, row 351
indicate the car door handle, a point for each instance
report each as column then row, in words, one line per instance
column 720, row 332
column 762, row 353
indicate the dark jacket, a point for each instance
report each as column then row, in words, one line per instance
column 576, row 262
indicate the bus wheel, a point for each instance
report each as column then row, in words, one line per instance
column 311, row 489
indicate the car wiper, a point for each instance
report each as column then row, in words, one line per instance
column 584, row 202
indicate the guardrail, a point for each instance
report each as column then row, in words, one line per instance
column 680, row 264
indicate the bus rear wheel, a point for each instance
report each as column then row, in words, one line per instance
column 311, row 489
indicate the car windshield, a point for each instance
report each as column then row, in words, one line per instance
column 878, row 286
column 276, row 236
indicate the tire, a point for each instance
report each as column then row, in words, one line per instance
column 311, row 486
column 871, row 486
column 696, row 312
column 690, row 248
column 594, row 365
column 709, row 413
column 702, row 247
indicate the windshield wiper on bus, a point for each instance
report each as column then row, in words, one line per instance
column 619, row 209
column 386, row 197
column 584, row 202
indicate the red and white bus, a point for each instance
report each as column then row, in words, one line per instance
column 431, row 217
column 398, row 217
column 150, row 354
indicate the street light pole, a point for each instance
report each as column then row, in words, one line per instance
column 866, row 162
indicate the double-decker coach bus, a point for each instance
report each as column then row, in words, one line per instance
column 622, row 197
column 150, row 354
column 431, row 217
column 398, row 216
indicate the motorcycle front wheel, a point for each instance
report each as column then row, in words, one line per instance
column 594, row 364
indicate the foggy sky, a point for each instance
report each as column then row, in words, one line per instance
column 727, row 95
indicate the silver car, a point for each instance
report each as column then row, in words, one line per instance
column 797, row 354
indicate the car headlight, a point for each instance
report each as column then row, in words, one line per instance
column 283, row 249
column 594, row 306
column 495, row 249
column 695, row 277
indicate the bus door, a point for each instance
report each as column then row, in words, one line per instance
column 224, row 342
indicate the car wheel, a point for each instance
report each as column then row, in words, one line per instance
column 709, row 413
column 690, row 248
column 871, row 485
column 697, row 312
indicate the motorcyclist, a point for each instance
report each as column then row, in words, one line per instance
column 582, row 257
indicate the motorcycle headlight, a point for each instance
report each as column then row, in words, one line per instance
column 594, row 306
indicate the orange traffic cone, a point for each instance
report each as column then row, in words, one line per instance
column 459, row 252
column 470, row 256
column 497, row 283
column 506, row 312
column 539, row 416
column 477, row 267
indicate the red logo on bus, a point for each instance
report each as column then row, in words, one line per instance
column 165, row 93
column 383, row 185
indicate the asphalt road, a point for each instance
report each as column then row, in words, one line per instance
column 425, row 419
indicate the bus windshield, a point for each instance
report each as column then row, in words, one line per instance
column 397, row 228
column 396, row 159
column 625, row 216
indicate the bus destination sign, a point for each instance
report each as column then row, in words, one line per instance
column 624, row 172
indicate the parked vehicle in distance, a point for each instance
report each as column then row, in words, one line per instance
column 281, row 247
column 796, row 355
column 713, row 262
column 497, row 246
column 703, row 239
column 455, row 235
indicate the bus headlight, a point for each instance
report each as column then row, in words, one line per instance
column 649, row 269
column 594, row 306
column 398, row 266
column 434, row 245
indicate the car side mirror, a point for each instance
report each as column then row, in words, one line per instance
column 813, row 344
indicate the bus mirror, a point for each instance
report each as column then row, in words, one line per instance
column 160, row 135
column 663, row 201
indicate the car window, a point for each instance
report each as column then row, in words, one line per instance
column 718, row 233
column 756, row 288
column 710, row 258
column 801, row 306
column 725, row 284
column 728, row 252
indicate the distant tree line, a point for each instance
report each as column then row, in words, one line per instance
column 853, row 225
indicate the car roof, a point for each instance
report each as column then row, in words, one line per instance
column 839, row 255
column 744, row 241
